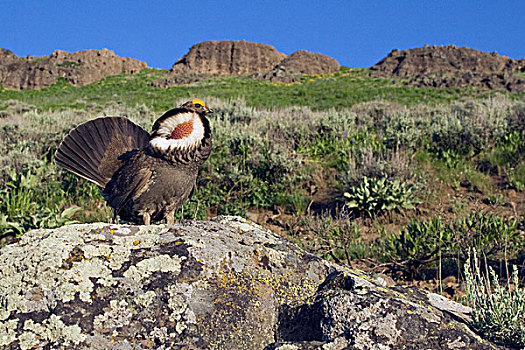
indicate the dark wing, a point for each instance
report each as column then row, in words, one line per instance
column 94, row 150
column 126, row 186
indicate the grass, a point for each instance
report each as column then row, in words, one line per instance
column 342, row 89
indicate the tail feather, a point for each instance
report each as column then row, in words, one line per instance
column 92, row 149
column 71, row 159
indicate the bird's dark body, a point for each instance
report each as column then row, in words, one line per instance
column 144, row 178
column 166, row 187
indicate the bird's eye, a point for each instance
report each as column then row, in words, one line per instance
column 197, row 105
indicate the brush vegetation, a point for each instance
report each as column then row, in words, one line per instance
column 367, row 172
column 498, row 311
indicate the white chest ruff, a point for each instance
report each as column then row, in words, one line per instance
column 164, row 142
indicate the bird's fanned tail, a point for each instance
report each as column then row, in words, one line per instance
column 94, row 150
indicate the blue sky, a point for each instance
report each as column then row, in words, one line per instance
column 356, row 33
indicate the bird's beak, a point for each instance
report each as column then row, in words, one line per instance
column 208, row 110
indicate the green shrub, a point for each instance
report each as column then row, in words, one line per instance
column 423, row 242
column 404, row 129
column 374, row 196
column 69, row 64
column 509, row 156
column 517, row 177
column 468, row 129
column 26, row 203
column 337, row 238
column 497, row 312
column 512, row 147
column 492, row 235
column 419, row 243
column 45, row 196
column 391, row 163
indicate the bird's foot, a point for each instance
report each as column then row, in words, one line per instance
column 147, row 219
column 170, row 218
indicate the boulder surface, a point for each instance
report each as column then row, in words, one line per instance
column 219, row 284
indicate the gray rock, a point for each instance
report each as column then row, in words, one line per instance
column 219, row 284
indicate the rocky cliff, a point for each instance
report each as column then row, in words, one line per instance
column 78, row 68
column 212, row 58
column 429, row 66
column 219, row 284
column 298, row 63
column 448, row 66
column 227, row 58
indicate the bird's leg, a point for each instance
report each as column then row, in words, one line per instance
column 114, row 218
column 170, row 218
column 147, row 218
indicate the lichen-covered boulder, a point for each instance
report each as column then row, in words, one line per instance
column 219, row 284
column 351, row 313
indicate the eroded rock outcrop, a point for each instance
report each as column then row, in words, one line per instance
column 449, row 66
column 77, row 68
column 212, row 58
column 219, row 284
column 299, row 63
column 227, row 58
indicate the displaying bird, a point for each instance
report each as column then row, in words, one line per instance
column 144, row 178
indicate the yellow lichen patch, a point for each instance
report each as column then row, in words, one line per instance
column 282, row 288
column 382, row 289
column 136, row 242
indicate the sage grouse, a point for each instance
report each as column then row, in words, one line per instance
column 144, row 178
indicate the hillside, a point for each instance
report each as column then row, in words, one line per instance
column 428, row 66
column 203, row 60
column 357, row 166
